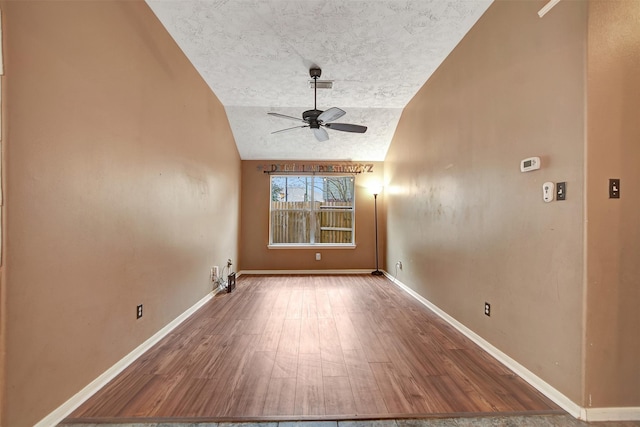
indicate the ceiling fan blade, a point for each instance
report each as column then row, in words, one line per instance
column 283, row 116
column 321, row 134
column 288, row 129
column 330, row 115
column 346, row 127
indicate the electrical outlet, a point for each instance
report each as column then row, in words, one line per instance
column 399, row 265
column 139, row 311
column 487, row 309
column 318, row 256
column 229, row 263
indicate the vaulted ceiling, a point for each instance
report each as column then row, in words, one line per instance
column 256, row 54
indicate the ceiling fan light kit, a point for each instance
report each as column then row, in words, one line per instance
column 318, row 120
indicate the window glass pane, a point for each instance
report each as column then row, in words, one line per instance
column 312, row 209
column 338, row 190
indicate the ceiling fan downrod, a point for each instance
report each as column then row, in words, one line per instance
column 315, row 73
column 311, row 116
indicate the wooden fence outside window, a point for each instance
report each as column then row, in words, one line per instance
column 307, row 222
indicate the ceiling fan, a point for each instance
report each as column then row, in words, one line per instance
column 318, row 120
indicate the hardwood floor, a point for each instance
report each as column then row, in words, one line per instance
column 312, row 347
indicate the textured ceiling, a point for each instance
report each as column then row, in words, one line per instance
column 255, row 56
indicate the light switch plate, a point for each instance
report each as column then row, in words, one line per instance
column 561, row 191
column 614, row 188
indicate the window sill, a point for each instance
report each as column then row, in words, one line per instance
column 316, row 247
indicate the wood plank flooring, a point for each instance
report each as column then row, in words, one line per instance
column 312, row 347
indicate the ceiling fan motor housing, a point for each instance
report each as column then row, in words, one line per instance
column 311, row 117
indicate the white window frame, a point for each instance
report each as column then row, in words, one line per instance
column 313, row 214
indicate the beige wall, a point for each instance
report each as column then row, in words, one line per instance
column 468, row 226
column 613, row 227
column 254, row 254
column 121, row 188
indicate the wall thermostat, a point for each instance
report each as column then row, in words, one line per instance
column 548, row 190
column 530, row 164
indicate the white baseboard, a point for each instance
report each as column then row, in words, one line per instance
column 302, row 272
column 55, row 417
column 575, row 410
column 612, row 414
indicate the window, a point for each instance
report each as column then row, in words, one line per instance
column 312, row 210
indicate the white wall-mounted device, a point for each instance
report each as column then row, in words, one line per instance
column 548, row 191
column 530, row 164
